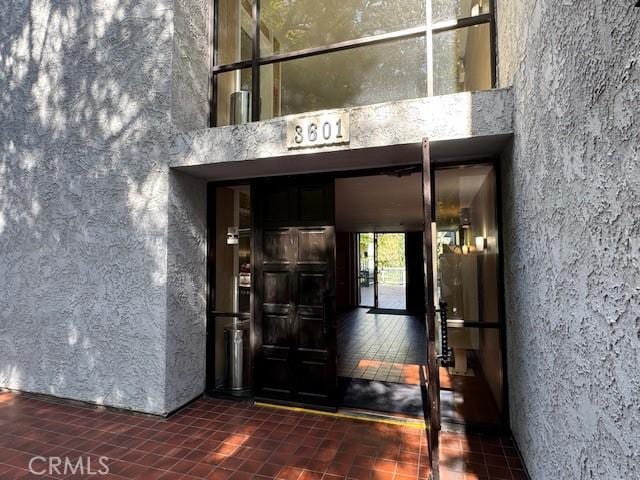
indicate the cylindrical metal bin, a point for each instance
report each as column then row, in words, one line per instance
column 240, row 107
column 235, row 358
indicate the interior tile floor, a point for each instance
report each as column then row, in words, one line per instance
column 381, row 347
column 393, row 297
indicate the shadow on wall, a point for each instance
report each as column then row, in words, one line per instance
column 84, row 109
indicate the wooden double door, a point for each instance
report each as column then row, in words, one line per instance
column 294, row 294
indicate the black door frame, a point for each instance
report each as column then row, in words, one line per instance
column 436, row 164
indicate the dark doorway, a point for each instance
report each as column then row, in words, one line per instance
column 294, row 292
column 381, row 344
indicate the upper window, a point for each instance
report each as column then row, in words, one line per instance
column 281, row 57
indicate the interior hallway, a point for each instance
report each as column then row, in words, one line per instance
column 382, row 347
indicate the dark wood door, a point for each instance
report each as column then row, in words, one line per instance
column 294, row 293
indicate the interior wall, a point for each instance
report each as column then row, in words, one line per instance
column 346, row 273
column 571, row 197
column 477, row 59
column 484, row 223
column 415, row 271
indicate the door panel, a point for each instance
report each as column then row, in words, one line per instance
column 433, row 387
column 294, row 297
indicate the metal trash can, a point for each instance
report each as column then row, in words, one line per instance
column 240, row 107
column 235, row 358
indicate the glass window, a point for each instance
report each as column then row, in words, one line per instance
column 360, row 76
column 233, row 97
column 234, row 31
column 290, row 25
column 462, row 60
column 443, row 10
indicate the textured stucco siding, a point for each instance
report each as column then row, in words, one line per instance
column 102, row 244
column 572, row 235
column 186, row 287
column 190, row 65
column 87, row 304
column 457, row 116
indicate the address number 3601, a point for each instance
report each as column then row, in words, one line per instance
column 315, row 131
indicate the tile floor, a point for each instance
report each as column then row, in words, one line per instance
column 380, row 347
column 474, row 457
column 220, row 439
column 389, row 296
column 210, row 439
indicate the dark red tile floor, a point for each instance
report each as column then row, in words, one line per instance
column 212, row 439
column 218, row 439
column 474, row 457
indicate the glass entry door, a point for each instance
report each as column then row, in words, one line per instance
column 468, row 292
column 382, row 270
column 366, row 269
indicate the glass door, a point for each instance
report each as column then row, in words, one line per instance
column 391, row 271
column 228, row 351
column 366, row 269
column 468, row 294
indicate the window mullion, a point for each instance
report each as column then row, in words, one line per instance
column 429, row 46
column 255, row 66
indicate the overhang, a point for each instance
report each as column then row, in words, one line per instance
column 459, row 126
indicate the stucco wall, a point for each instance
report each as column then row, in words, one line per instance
column 190, row 66
column 441, row 118
column 186, row 290
column 89, row 238
column 572, row 235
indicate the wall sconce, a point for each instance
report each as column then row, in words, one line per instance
column 232, row 236
column 481, row 244
column 465, row 217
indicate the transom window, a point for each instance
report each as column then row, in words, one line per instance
column 280, row 57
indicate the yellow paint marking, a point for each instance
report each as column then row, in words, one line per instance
column 403, row 423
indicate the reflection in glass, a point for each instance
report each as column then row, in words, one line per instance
column 443, row 10
column 471, row 390
column 234, row 31
column 292, row 25
column 232, row 286
column 361, row 76
column 467, row 280
column 462, row 60
column 466, row 211
column 233, row 97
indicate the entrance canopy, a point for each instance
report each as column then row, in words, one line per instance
column 466, row 125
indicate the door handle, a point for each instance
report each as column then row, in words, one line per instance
column 445, row 355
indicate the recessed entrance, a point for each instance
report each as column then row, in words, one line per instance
column 319, row 293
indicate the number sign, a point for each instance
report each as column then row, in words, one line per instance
column 318, row 130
